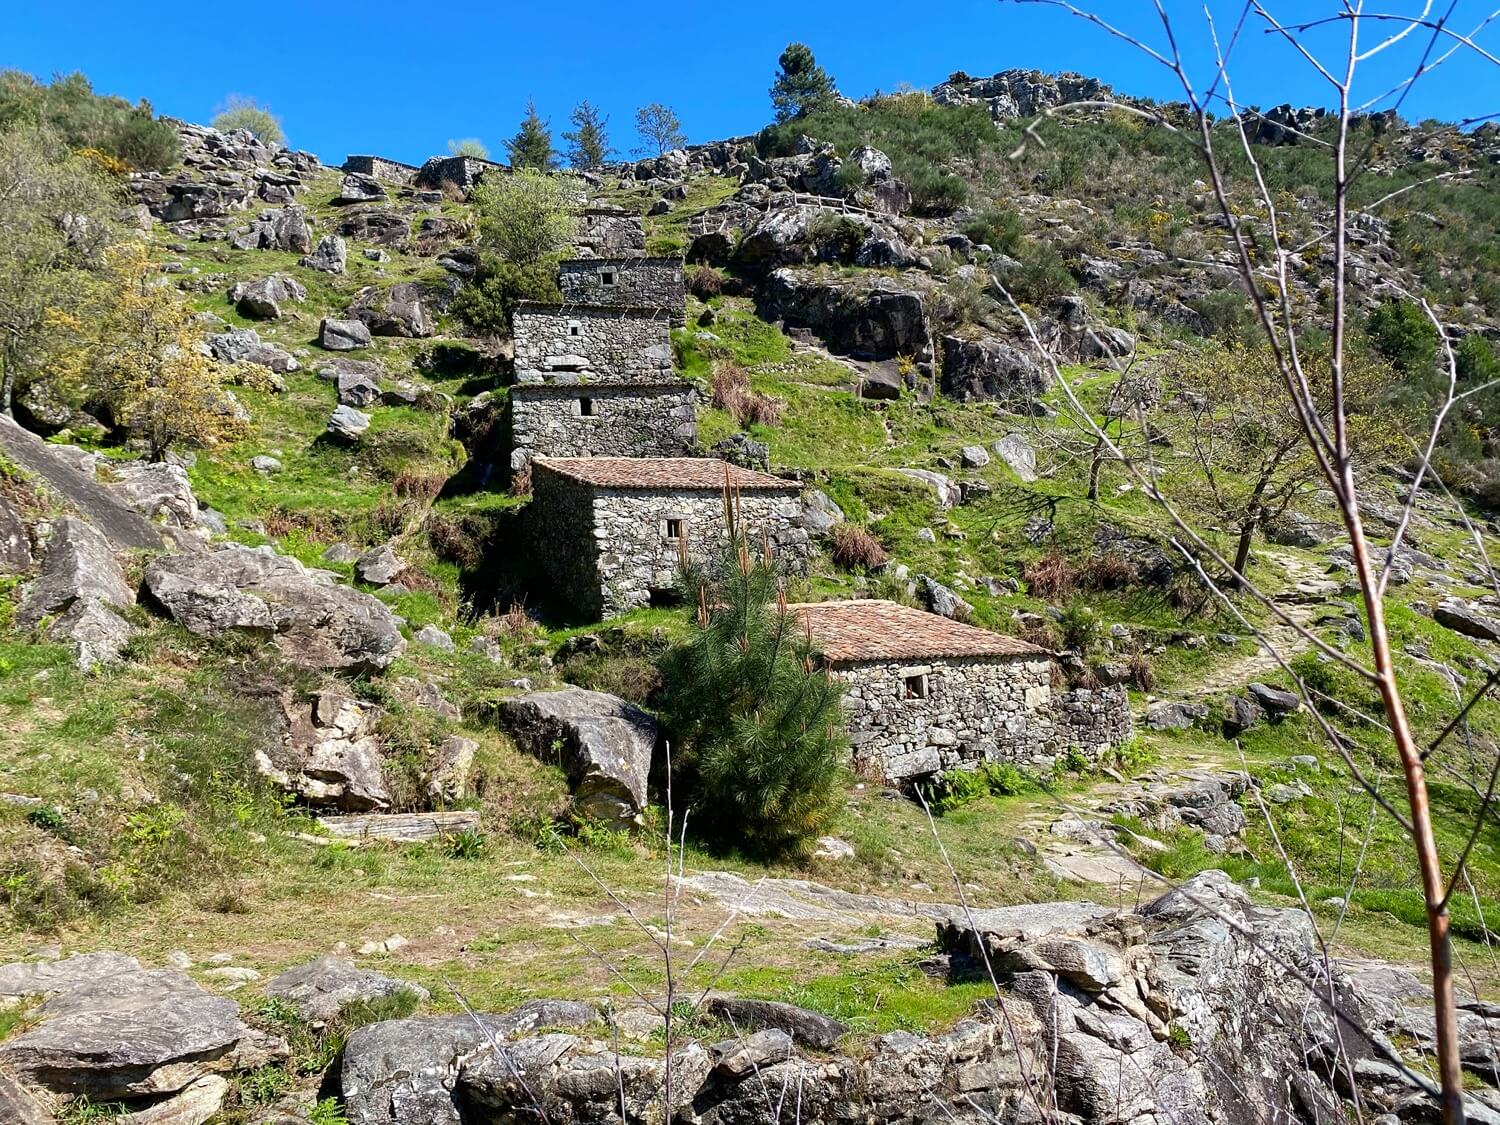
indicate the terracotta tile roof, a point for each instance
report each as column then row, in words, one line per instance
column 681, row 473
column 865, row 629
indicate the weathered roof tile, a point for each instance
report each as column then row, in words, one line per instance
column 867, row 629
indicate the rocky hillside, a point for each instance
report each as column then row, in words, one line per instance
column 289, row 832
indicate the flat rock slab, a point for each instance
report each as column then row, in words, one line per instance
column 810, row 1029
column 120, row 524
column 400, row 827
column 77, row 565
column 320, row 989
column 133, row 1034
column 26, row 979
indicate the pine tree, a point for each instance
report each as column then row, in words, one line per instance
column 531, row 147
column 588, row 143
column 801, row 86
column 758, row 726
column 659, row 129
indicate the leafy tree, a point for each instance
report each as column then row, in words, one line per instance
column 1250, row 461
column 588, row 142
column 469, row 146
column 659, row 129
column 1401, row 332
column 240, row 112
column 801, row 86
column 527, row 215
column 80, row 118
column 134, row 346
column 531, row 147
column 759, row 726
column 56, row 218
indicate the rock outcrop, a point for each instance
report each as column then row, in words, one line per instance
column 603, row 743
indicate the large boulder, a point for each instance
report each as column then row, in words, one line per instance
column 15, row 540
column 313, row 620
column 319, row 990
column 943, row 487
column 244, row 345
column 343, row 335
column 94, row 631
column 136, row 1033
column 603, row 743
column 331, row 755
column 358, row 188
column 379, row 225
column 869, row 317
column 1463, row 618
column 1018, row 453
column 286, row 229
column 330, row 256
column 989, row 369
column 347, row 423
column 77, row 566
column 397, row 313
column 159, row 490
column 404, row 1070
column 264, row 299
column 808, row 1029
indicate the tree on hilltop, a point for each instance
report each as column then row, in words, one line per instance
column 469, row 146
column 659, row 128
column 240, row 112
column 588, row 141
column 531, row 147
column 801, row 86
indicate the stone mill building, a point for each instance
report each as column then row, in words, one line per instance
column 594, row 375
column 610, row 533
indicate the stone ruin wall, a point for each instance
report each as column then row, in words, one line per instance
column 976, row 709
column 608, row 231
column 1093, row 720
column 462, row 172
column 559, row 527
column 392, row 171
column 548, row 421
column 643, row 283
column 636, row 558
column 618, row 345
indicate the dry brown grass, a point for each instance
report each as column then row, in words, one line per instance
column 520, row 483
column 853, row 546
column 733, row 394
column 704, row 282
column 1051, row 577
column 1108, row 572
column 418, row 485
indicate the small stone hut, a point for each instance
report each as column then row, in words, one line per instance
column 609, row 533
column 589, row 343
column 576, row 419
column 626, row 282
column 926, row 694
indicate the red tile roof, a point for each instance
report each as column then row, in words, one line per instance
column 865, row 629
column 680, row 473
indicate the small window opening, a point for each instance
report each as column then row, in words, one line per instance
column 585, row 408
column 916, row 687
column 674, row 529
column 607, row 277
column 575, row 329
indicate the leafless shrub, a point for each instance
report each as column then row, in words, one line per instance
column 520, row 483
column 1108, row 572
column 704, row 282
column 853, row 546
column 733, row 394
column 1142, row 672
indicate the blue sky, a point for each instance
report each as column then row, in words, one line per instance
column 400, row 80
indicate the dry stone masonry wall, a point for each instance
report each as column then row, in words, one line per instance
column 392, row 171
column 1093, row 720
column 907, row 719
column 625, row 282
column 611, row 345
column 601, row 421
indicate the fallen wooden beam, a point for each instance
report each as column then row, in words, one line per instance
column 400, row 827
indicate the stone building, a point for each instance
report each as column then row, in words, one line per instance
column 607, row 231
column 560, row 343
column 625, row 282
column 601, row 420
column 392, row 171
column 463, row 172
column 610, row 532
column 926, row 694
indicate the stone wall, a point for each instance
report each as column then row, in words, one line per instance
column 607, row 551
column 647, row 283
column 393, row 171
column 461, row 171
column 971, row 710
column 548, row 420
column 614, row 345
column 608, row 230
column 1092, row 720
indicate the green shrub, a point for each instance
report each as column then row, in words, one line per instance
column 999, row 228
column 837, row 237
column 1401, row 332
column 757, row 725
column 1080, row 627
column 487, row 303
column 1039, row 275
column 935, row 191
column 69, row 108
